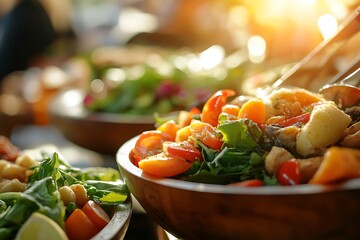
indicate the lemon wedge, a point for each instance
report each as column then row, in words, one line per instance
column 40, row 227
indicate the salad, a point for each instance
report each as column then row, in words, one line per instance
column 289, row 137
column 78, row 200
column 160, row 83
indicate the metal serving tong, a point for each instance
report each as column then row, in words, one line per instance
column 309, row 72
column 317, row 71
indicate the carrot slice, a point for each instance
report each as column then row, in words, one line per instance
column 231, row 109
column 163, row 165
column 339, row 164
column 254, row 110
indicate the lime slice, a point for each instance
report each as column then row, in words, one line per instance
column 40, row 227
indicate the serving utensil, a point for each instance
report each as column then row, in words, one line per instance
column 308, row 73
column 346, row 93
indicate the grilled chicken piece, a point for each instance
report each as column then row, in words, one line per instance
column 278, row 156
column 352, row 136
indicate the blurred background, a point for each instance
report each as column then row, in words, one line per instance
column 143, row 57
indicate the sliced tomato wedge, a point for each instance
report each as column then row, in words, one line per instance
column 185, row 117
column 149, row 143
column 78, row 226
column 163, row 165
column 289, row 172
column 170, row 128
column 213, row 107
column 302, row 118
column 206, row 134
column 183, row 134
column 96, row 214
column 183, row 149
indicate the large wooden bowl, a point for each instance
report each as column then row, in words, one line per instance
column 204, row 211
column 100, row 132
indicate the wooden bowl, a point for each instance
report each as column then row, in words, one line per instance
column 119, row 223
column 100, row 132
column 206, row 211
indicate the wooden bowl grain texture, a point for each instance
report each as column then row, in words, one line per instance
column 205, row 211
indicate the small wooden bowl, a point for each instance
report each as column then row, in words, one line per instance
column 206, row 211
column 119, row 223
column 100, row 132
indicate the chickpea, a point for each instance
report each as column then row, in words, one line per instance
column 13, row 185
column 81, row 194
column 25, row 161
column 3, row 164
column 12, row 171
column 67, row 195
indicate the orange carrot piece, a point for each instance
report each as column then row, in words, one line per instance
column 254, row 110
column 339, row 164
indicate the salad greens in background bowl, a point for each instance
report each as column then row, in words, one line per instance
column 120, row 99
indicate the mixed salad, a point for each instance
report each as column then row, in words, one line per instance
column 78, row 200
column 160, row 83
column 289, row 137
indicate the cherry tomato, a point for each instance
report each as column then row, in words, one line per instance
column 183, row 149
column 149, row 143
column 206, row 134
column 163, row 165
column 249, row 183
column 289, row 172
column 96, row 214
column 213, row 107
column 79, row 227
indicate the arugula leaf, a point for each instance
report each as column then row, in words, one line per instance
column 41, row 196
column 42, row 193
column 225, row 166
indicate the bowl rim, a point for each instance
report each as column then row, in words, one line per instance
column 124, row 163
column 118, row 222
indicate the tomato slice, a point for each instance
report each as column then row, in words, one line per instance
column 302, row 118
column 185, row 117
column 183, row 134
column 249, row 183
column 289, row 172
column 213, row 107
column 96, row 214
column 79, row 227
column 183, row 149
column 163, row 165
column 149, row 143
column 206, row 134
column 170, row 128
